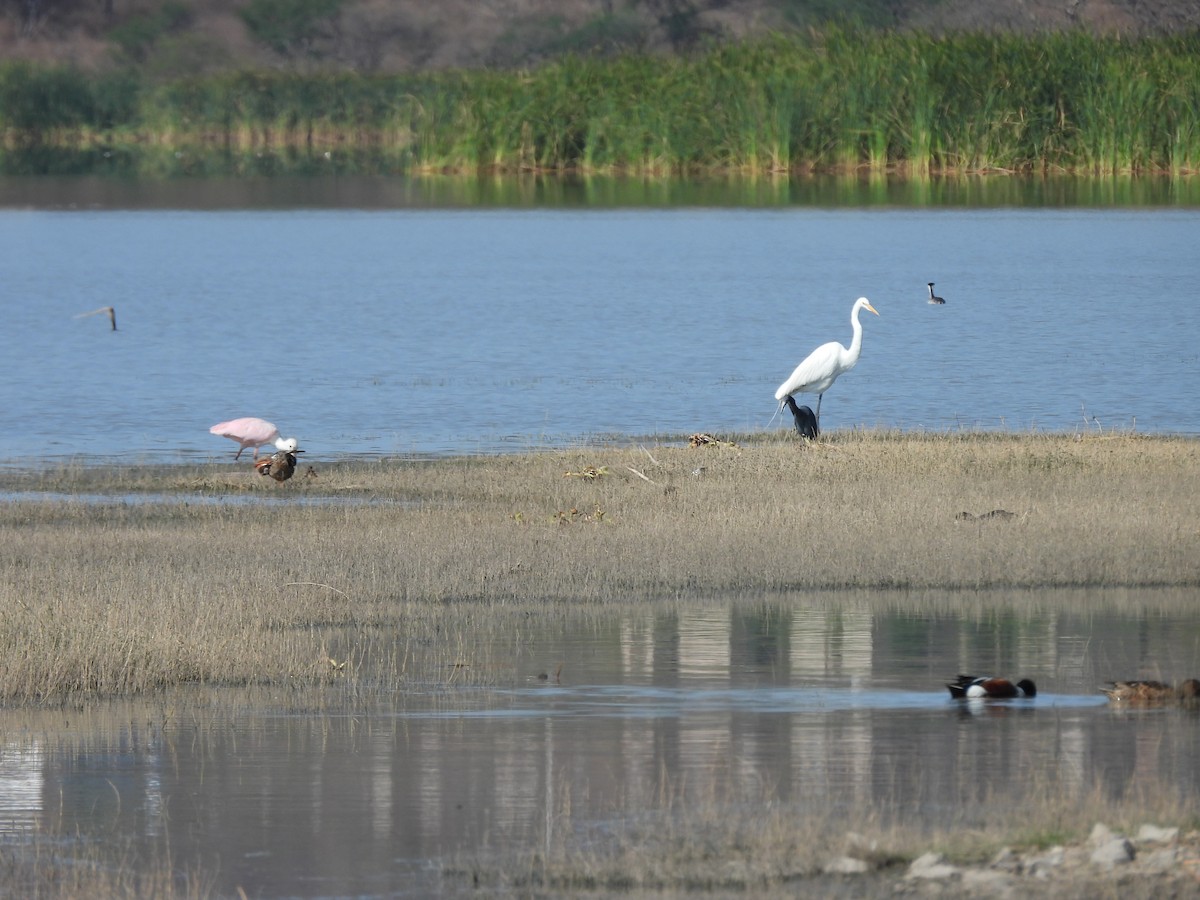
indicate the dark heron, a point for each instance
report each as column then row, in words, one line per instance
column 805, row 419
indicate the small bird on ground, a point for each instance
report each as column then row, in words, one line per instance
column 281, row 464
column 966, row 687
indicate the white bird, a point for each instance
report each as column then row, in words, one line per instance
column 822, row 367
column 932, row 298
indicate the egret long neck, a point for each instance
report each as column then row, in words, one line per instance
column 856, row 341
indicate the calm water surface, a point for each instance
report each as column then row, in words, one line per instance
column 372, row 789
column 446, row 330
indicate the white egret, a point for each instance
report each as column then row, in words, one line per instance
column 822, row 367
column 932, row 298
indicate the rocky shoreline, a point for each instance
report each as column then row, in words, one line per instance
column 1153, row 862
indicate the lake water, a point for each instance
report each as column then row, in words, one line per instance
column 371, row 789
column 373, row 319
column 425, row 329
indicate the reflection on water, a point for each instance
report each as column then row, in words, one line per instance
column 22, row 772
column 64, row 179
column 363, row 788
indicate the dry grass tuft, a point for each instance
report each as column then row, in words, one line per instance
column 765, row 849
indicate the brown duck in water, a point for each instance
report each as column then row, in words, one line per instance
column 1147, row 693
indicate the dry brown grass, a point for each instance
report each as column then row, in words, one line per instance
column 764, row 848
column 125, row 596
column 48, row 868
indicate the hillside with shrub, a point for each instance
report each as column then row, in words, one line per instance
column 601, row 86
column 166, row 39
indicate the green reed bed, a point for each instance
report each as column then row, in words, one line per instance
column 125, row 597
column 835, row 100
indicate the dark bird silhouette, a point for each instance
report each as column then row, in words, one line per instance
column 805, row 419
column 966, row 687
column 932, row 297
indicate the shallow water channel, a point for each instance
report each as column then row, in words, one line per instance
column 374, row 785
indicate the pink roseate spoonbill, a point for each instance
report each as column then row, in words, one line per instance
column 821, row 368
column 252, row 432
column 281, row 464
column 971, row 686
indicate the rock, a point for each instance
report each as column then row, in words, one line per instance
column 1040, row 866
column 931, row 865
column 1163, row 860
column 1115, row 852
column 984, row 883
column 1154, row 834
column 1101, row 835
column 846, row 865
column 1006, row 861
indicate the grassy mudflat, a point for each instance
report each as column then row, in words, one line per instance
column 126, row 596
column 126, row 580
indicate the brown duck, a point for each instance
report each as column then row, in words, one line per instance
column 281, row 464
column 1147, row 693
